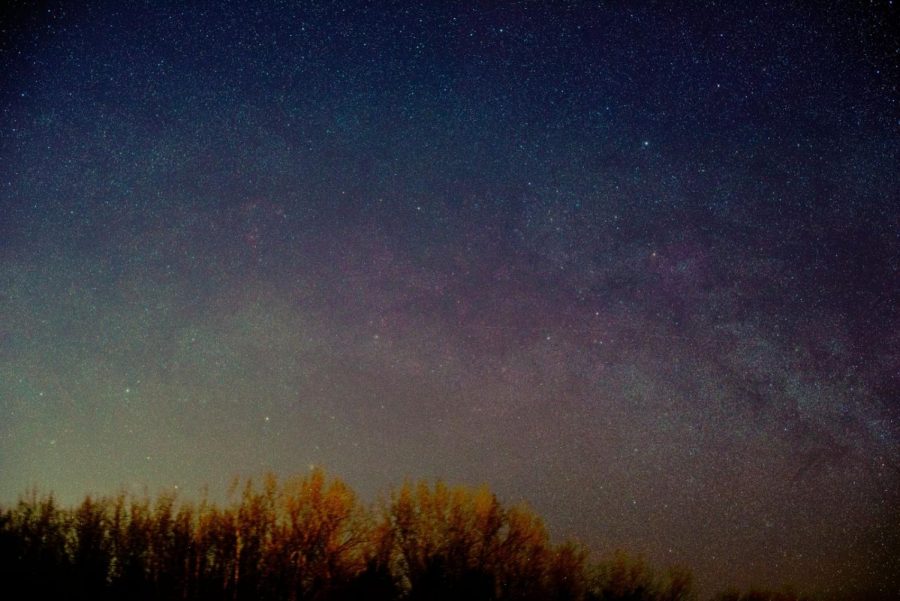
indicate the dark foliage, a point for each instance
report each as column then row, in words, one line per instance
column 310, row 539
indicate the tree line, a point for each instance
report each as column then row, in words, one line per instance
column 310, row 539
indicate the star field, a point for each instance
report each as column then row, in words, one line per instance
column 637, row 266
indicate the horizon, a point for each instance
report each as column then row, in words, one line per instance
column 442, row 511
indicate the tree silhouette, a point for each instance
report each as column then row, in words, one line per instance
column 35, row 535
column 309, row 539
column 90, row 552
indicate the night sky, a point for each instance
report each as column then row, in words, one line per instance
column 634, row 264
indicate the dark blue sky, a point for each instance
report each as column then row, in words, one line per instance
column 635, row 265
